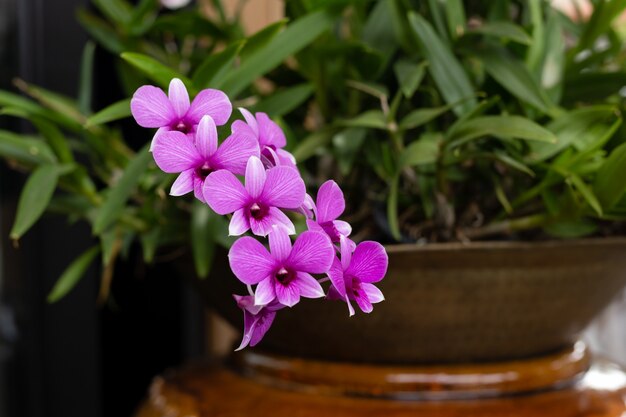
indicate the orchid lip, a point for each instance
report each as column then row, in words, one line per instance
column 257, row 211
column 283, row 276
column 182, row 127
column 204, row 171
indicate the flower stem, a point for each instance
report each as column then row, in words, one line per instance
column 508, row 226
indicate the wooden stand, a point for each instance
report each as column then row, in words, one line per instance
column 564, row 384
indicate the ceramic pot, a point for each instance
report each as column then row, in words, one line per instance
column 452, row 303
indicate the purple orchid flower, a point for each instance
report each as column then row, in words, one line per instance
column 330, row 205
column 256, row 319
column 174, row 152
column 257, row 206
column 354, row 275
column 283, row 273
column 152, row 108
column 271, row 138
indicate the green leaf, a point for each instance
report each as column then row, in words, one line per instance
column 571, row 229
column 600, row 22
column 593, row 86
column 392, row 208
column 374, row 119
column 297, row 35
column 153, row 69
column 25, row 149
column 55, row 138
column 420, row 117
column 101, row 31
column 504, row 30
column 118, row 11
column 347, row 144
column 501, row 127
column 610, row 182
column 586, row 192
column 202, row 238
column 409, row 75
column 444, row 68
column 423, row 151
column 35, row 197
column 21, row 107
column 585, row 128
column 514, row 77
column 115, row 111
column 120, row 192
column 74, row 272
column 378, row 30
column 312, row 144
column 455, row 14
column 86, row 78
column 150, row 242
column 261, row 38
column 213, row 69
column 284, row 101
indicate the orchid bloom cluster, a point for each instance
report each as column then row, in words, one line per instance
column 186, row 143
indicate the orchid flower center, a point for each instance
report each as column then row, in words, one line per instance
column 204, row 171
column 283, row 276
column 182, row 127
column 258, row 211
column 331, row 231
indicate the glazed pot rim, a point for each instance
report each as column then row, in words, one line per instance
column 511, row 245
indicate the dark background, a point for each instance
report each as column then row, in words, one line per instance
column 74, row 358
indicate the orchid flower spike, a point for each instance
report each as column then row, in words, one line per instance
column 196, row 159
column 353, row 276
column 283, row 273
column 257, row 205
column 271, row 138
column 330, row 205
column 152, row 108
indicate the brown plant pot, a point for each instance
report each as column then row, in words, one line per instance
column 452, row 303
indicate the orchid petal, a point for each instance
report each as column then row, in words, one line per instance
column 288, row 295
column 158, row 133
column 342, row 227
column 178, row 97
column 255, row 177
column 183, row 184
column 346, row 251
column 198, row 188
column 246, row 303
column 269, row 132
column 312, row 252
column 224, row 192
column 274, row 216
column 238, row 223
column 250, row 120
column 369, row 262
column 335, row 273
column 286, row 158
column 234, row 153
column 308, row 286
column 250, row 261
column 264, row 293
column 314, row 226
column 364, row 304
column 330, row 202
column 262, row 326
column 283, row 188
column 280, row 243
column 373, row 293
column 151, row 107
column 206, row 137
column 212, row 102
column 239, row 126
column 249, row 327
column 174, row 152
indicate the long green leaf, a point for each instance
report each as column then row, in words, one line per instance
column 392, row 208
column 444, row 68
column 610, row 182
column 35, row 197
column 374, row 119
column 261, row 38
column 213, row 69
column 513, row 76
column 153, row 69
column 74, row 272
column 504, row 30
column 85, row 86
column 584, row 129
column 423, row 151
column 58, row 142
column 115, row 111
column 202, row 238
column 119, row 194
column 284, row 101
column 101, row 31
column 499, row 126
column 409, row 75
column 420, row 117
column 586, row 192
column 25, row 149
column 298, row 34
